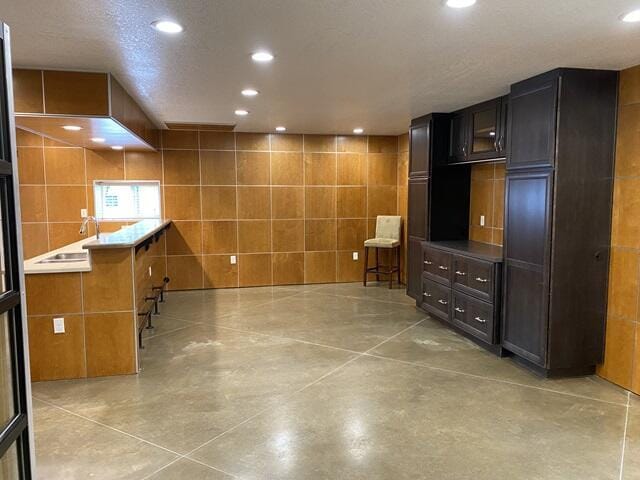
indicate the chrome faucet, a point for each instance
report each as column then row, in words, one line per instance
column 85, row 222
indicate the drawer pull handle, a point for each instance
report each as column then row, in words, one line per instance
column 462, row 274
column 425, row 294
column 481, row 280
column 427, row 262
column 459, row 310
column 443, row 302
column 442, row 267
column 481, row 320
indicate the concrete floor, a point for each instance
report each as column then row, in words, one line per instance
column 327, row 382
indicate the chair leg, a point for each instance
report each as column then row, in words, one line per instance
column 377, row 265
column 390, row 269
column 366, row 265
column 398, row 262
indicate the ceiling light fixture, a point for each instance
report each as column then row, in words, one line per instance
column 117, row 147
column 460, row 3
column 72, row 128
column 631, row 17
column 98, row 139
column 262, row 57
column 281, row 129
column 249, row 92
column 242, row 113
column 358, row 131
column 167, row 26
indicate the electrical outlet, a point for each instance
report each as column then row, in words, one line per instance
column 234, row 260
column 149, row 270
column 83, row 213
column 482, row 220
column 355, row 255
column 58, row 325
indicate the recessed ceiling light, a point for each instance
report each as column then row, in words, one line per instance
column 72, row 128
column 241, row 113
column 631, row 17
column 249, row 92
column 262, row 57
column 358, row 131
column 281, row 129
column 117, row 147
column 98, row 139
column 460, row 3
column 166, row 26
column 492, row 134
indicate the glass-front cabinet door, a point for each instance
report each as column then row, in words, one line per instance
column 485, row 130
column 15, row 444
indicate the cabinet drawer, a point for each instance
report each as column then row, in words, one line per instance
column 473, row 316
column 474, row 277
column 436, row 298
column 437, row 265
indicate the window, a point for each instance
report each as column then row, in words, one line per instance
column 117, row 200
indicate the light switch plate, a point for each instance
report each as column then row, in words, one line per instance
column 83, row 213
column 355, row 255
column 234, row 260
column 58, row 325
column 482, row 220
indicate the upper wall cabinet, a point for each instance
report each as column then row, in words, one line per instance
column 419, row 160
column 532, row 123
column 478, row 132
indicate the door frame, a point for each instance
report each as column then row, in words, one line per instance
column 21, row 428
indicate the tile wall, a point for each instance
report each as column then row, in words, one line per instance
column 487, row 198
column 291, row 208
column 622, row 350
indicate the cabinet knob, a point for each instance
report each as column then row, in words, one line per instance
column 480, row 320
column 442, row 267
column 462, row 274
column 481, row 280
column 443, row 302
column 427, row 262
column 459, row 310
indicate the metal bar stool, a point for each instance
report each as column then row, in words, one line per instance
column 388, row 237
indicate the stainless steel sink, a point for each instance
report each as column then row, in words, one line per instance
column 66, row 257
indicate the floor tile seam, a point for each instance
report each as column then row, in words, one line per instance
column 104, row 425
column 493, row 379
column 280, row 337
column 288, row 397
column 151, row 337
column 624, row 438
column 391, row 302
column 184, row 457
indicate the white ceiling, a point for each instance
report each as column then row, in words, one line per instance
column 339, row 63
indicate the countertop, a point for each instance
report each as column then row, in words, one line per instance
column 33, row 266
column 492, row 253
column 128, row 236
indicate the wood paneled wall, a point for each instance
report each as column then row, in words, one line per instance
column 487, row 198
column 622, row 350
column 291, row 208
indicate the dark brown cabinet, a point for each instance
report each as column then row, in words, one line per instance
column 461, row 285
column 557, row 219
column 427, row 139
column 479, row 132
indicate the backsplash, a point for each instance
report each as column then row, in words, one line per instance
column 487, row 199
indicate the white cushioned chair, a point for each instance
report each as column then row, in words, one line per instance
column 388, row 229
